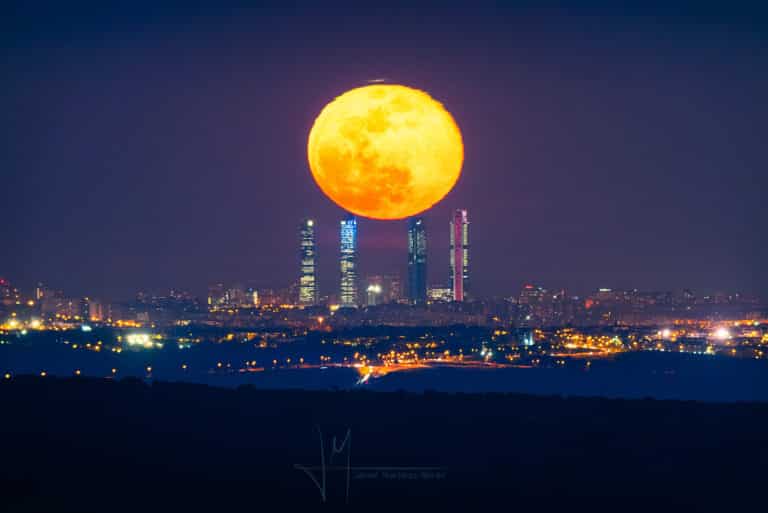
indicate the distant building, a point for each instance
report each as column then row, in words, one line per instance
column 534, row 306
column 532, row 295
column 417, row 260
column 39, row 291
column 459, row 255
column 95, row 310
column 253, row 296
column 393, row 288
column 348, row 262
column 52, row 302
column 268, row 297
column 217, row 296
column 236, row 296
column 374, row 294
column 9, row 295
column 308, row 294
column 440, row 294
column 84, row 309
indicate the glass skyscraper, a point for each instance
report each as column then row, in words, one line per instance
column 459, row 258
column 308, row 263
column 417, row 260
column 348, row 260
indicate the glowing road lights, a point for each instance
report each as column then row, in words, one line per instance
column 7, row 375
column 114, row 371
column 77, row 372
column 43, row 374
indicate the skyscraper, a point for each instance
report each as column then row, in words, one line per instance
column 348, row 260
column 417, row 260
column 459, row 255
column 308, row 263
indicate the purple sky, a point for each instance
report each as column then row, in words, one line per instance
column 147, row 147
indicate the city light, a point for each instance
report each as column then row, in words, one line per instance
column 722, row 334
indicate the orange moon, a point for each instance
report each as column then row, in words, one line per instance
column 385, row 151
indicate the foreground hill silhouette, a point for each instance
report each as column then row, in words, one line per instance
column 96, row 445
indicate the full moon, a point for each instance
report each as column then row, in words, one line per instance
column 385, row 151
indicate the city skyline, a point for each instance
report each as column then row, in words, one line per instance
column 307, row 289
column 570, row 143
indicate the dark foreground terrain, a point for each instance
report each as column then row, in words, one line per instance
column 94, row 445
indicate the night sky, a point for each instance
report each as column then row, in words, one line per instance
column 148, row 147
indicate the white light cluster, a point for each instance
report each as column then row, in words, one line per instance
column 141, row 340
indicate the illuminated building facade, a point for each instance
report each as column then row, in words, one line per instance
column 534, row 306
column 216, row 296
column 348, row 261
column 253, row 296
column 459, row 255
column 440, row 293
column 9, row 295
column 417, row 260
column 95, row 310
column 390, row 288
column 308, row 263
column 374, row 294
column 85, row 309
